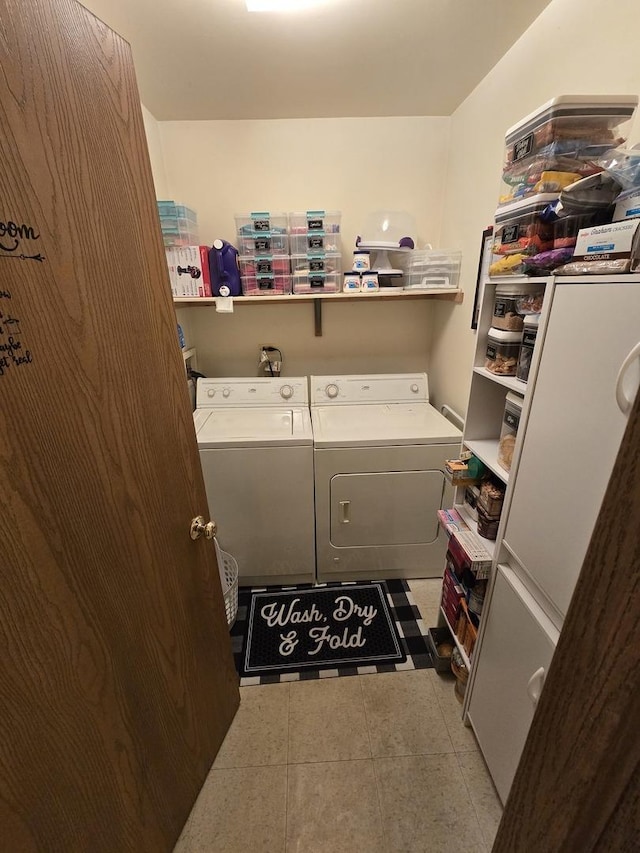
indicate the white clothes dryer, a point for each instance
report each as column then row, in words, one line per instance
column 256, row 451
column 379, row 450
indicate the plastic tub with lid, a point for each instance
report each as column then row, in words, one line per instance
column 529, row 334
column 316, row 282
column 315, row 222
column 502, row 352
column 556, row 144
column 261, row 222
column 520, row 226
column 510, row 423
column 266, row 285
column 510, row 303
column 325, row 262
column 315, row 241
column 264, row 265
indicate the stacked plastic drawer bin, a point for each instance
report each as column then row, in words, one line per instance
column 545, row 154
column 316, row 258
column 263, row 245
column 179, row 224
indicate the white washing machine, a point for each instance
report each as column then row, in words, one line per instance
column 380, row 450
column 256, row 450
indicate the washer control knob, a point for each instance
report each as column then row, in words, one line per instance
column 211, row 392
column 286, row 392
column 415, row 388
column 331, row 391
column 226, row 392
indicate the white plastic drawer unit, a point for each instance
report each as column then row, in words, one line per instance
column 517, row 647
column 587, row 364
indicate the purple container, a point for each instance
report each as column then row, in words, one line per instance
column 224, row 269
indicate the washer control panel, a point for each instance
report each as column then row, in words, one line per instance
column 375, row 388
column 252, row 392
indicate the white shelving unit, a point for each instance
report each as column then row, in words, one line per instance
column 459, row 646
column 568, row 436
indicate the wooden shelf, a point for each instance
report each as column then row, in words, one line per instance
column 487, row 451
column 452, row 295
column 509, row 382
column 459, row 646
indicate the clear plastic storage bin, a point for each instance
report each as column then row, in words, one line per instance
column 556, row 145
column 315, row 221
column 430, row 268
column 329, row 262
column 509, row 431
column 316, row 282
column 252, row 225
column 313, row 241
column 255, row 243
column 519, row 232
column 502, row 352
column 266, row 285
column 512, row 301
column 264, row 265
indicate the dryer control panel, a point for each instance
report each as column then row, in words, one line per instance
column 373, row 388
column 252, row 392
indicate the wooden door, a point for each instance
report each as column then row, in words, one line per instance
column 116, row 676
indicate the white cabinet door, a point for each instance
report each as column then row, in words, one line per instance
column 517, row 647
column 573, row 433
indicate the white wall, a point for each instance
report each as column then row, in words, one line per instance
column 152, row 130
column 574, row 47
column 353, row 165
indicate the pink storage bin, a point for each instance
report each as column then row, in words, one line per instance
column 251, row 267
column 265, row 285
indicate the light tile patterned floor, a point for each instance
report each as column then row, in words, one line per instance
column 367, row 764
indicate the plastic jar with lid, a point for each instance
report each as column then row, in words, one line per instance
column 509, row 431
column 502, row 352
column 529, row 335
column 487, row 524
column 510, row 303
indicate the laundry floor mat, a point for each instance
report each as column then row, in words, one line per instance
column 308, row 632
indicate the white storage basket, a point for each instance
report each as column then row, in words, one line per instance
column 228, row 567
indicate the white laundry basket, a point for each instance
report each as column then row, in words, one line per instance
column 228, row 567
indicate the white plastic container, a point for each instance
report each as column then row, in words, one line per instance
column 510, row 423
column 361, row 260
column 370, row 281
column 503, row 349
column 351, row 281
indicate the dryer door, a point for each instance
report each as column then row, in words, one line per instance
column 389, row 508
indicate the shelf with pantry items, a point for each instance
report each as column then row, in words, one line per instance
column 463, row 654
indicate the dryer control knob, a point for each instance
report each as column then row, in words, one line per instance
column 226, row 392
column 331, row 391
column 286, row 392
column 211, row 392
column 415, row 388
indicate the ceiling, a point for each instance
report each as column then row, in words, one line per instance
column 211, row 59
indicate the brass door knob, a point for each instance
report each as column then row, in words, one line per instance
column 200, row 527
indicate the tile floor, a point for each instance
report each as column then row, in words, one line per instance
column 366, row 764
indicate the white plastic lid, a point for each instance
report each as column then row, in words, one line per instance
column 532, row 320
column 504, row 337
column 519, row 289
column 524, row 206
column 515, row 399
column 619, row 107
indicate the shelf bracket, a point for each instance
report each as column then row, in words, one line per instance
column 317, row 317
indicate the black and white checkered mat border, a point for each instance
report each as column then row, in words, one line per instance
column 411, row 628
